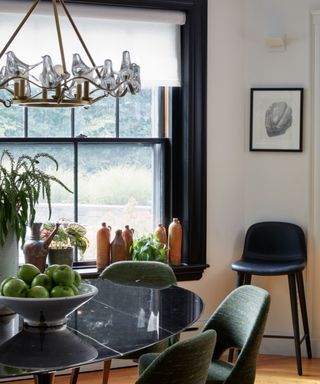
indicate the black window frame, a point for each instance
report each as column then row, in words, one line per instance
column 186, row 183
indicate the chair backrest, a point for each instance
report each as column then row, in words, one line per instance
column 239, row 322
column 275, row 241
column 151, row 274
column 185, row 362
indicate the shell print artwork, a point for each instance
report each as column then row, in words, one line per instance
column 278, row 118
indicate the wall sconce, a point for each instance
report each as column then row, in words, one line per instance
column 276, row 43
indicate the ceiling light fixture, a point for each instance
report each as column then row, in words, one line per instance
column 46, row 84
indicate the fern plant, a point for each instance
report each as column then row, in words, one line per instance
column 22, row 184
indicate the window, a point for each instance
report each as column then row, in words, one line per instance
column 172, row 168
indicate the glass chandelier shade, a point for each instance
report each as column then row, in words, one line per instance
column 48, row 84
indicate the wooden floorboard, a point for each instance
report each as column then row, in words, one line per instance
column 270, row 370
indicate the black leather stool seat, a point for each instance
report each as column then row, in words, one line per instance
column 268, row 268
column 274, row 248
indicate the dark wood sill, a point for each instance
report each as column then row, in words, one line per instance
column 183, row 272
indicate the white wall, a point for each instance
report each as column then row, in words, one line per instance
column 243, row 186
column 226, row 144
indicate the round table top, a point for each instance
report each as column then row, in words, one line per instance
column 120, row 319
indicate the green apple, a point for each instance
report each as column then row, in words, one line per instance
column 3, row 283
column 61, row 291
column 75, row 289
column 38, row 291
column 77, row 278
column 63, row 275
column 27, row 272
column 43, row 280
column 49, row 270
column 15, row 287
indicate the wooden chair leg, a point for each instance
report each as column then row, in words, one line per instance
column 74, row 375
column 304, row 313
column 295, row 320
column 106, row 371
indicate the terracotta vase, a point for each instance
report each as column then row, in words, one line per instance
column 60, row 256
column 118, row 248
column 127, row 236
column 36, row 250
column 175, row 242
column 161, row 234
column 103, row 247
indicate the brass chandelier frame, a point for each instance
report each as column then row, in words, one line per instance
column 78, row 90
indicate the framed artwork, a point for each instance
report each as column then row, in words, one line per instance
column 276, row 119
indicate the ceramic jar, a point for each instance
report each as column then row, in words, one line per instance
column 103, row 247
column 36, row 250
column 127, row 236
column 175, row 242
column 118, row 248
column 161, row 234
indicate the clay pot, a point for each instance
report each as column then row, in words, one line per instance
column 103, row 247
column 60, row 256
column 175, row 242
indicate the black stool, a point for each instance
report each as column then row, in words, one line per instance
column 277, row 248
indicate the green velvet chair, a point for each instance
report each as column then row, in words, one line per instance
column 150, row 274
column 239, row 322
column 185, row 362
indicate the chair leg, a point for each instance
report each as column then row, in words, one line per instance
column 74, row 375
column 304, row 314
column 295, row 320
column 106, row 371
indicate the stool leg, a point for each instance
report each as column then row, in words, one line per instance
column 240, row 279
column 304, row 314
column 295, row 320
column 247, row 279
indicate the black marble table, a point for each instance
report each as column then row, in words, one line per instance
column 118, row 320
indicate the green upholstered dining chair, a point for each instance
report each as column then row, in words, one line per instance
column 185, row 362
column 239, row 322
column 150, row 274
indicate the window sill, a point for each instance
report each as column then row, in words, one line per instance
column 183, row 272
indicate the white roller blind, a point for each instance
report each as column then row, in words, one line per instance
column 152, row 37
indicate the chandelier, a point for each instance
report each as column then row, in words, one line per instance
column 45, row 84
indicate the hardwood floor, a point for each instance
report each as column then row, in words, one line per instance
column 270, row 370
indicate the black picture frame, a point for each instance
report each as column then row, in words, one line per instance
column 276, row 119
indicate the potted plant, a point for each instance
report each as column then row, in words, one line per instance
column 68, row 235
column 22, row 183
column 148, row 248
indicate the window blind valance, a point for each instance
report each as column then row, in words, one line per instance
column 151, row 36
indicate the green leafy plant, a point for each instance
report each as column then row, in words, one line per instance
column 22, row 184
column 68, row 235
column 148, row 248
